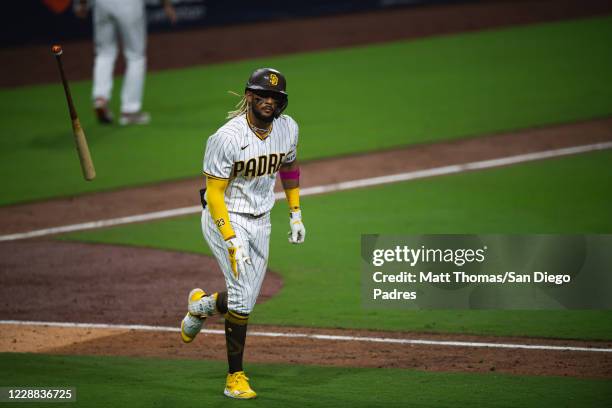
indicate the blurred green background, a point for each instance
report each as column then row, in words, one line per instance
column 346, row 101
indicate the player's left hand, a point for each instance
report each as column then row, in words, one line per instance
column 298, row 231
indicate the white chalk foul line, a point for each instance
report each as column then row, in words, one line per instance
column 103, row 223
column 328, row 337
column 346, row 185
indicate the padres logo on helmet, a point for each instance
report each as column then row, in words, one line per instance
column 269, row 79
column 273, row 79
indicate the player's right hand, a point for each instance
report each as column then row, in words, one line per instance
column 238, row 255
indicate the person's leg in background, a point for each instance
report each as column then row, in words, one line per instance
column 133, row 31
column 106, row 48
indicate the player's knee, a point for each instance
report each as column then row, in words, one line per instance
column 106, row 55
column 135, row 58
column 240, row 304
column 241, row 307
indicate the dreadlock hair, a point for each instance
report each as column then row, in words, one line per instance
column 241, row 106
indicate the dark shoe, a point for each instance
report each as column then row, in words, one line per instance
column 104, row 115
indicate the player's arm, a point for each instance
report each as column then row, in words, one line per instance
column 218, row 164
column 290, row 179
column 215, row 197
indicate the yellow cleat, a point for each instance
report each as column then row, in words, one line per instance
column 191, row 324
column 237, row 386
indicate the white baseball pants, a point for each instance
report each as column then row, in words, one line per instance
column 125, row 19
column 242, row 292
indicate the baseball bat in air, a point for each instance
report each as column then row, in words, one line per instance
column 89, row 172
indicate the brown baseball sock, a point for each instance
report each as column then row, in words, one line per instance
column 235, row 339
column 221, row 302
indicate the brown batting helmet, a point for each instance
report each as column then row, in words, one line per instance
column 270, row 80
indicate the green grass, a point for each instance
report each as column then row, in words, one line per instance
column 322, row 276
column 136, row 382
column 347, row 100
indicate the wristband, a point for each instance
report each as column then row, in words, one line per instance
column 290, row 175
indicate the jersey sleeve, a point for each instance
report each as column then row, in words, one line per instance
column 293, row 131
column 219, row 156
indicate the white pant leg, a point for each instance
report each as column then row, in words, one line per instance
column 133, row 30
column 105, row 40
column 242, row 292
column 259, row 250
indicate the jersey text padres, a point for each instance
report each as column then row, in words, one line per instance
column 236, row 153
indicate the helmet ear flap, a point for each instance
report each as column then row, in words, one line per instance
column 282, row 105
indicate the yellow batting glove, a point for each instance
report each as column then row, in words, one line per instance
column 238, row 255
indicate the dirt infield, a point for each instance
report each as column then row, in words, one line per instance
column 46, row 280
column 117, row 284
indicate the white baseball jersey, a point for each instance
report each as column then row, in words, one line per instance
column 236, row 153
column 250, row 164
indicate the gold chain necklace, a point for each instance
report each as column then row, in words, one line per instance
column 261, row 133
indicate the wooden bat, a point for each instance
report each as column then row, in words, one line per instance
column 89, row 172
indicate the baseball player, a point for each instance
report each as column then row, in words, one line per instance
column 125, row 19
column 240, row 164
